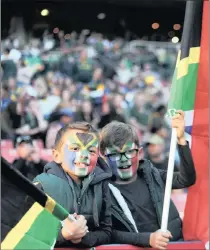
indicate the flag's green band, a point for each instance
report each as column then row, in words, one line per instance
column 22, row 227
column 183, row 90
column 29, row 233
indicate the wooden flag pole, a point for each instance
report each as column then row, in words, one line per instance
column 168, row 187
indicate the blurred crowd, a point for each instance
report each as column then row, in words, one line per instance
column 52, row 81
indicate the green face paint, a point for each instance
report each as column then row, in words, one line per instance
column 124, row 161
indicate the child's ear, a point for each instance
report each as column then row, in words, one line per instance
column 56, row 156
column 141, row 153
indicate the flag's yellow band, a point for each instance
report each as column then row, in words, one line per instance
column 182, row 65
column 22, row 227
column 50, row 204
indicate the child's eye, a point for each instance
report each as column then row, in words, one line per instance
column 92, row 151
column 73, row 148
column 131, row 151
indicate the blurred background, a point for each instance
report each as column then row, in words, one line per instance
column 98, row 61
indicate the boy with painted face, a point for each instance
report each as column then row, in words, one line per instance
column 78, row 180
column 79, row 154
column 138, row 188
column 124, row 159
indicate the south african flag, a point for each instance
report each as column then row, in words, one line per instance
column 29, row 218
column 189, row 92
column 184, row 82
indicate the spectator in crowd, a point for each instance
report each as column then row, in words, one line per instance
column 158, row 117
column 95, row 90
column 28, row 161
column 66, row 98
column 85, row 113
column 78, row 180
column 125, row 72
column 160, row 126
column 97, row 79
column 155, row 151
column 138, row 187
column 154, row 98
column 23, row 117
column 5, row 97
column 67, row 65
column 8, row 65
column 26, row 72
column 119, row 105
column 109, row 114
column 84, row 68
column 65, row 117
column 138, row 117
column 50, row 100
column 41, row 87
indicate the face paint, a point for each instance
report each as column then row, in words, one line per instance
column 69, row 157
column 81, row 153
column 124, row 161
column 85, row 138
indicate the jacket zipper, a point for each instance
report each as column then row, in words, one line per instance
column 79, row 201
column 83, row 191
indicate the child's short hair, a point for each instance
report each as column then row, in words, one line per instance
column 84, row 126
column 117, row 133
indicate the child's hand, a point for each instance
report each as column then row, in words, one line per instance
column 159, row 240
column 179, row 123
column 74, row 230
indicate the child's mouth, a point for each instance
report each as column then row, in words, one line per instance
column 124, row 167
column 81, row 165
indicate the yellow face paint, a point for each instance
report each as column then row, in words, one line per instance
column 81, row 153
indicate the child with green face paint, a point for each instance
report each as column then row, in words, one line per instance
column 124, row 159
column 78, row 180
column 137, row 188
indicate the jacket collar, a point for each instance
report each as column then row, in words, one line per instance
column 101, row 172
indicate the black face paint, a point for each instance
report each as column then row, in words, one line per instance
column 85, row 138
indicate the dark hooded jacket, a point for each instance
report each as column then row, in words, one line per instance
column 93, row 201
column 126, row 233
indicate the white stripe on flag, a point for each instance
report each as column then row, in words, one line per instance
column 189, row 115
